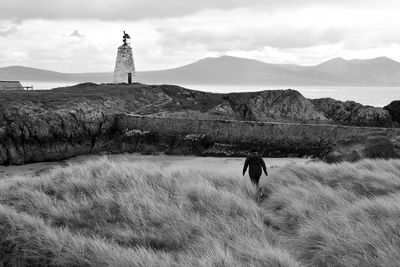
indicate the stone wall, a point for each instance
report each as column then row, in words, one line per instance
column 244, row 131
column 236, row 137
column 56, row 136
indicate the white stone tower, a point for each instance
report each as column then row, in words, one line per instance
column 124, row 65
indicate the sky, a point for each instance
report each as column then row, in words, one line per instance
column 83, row 36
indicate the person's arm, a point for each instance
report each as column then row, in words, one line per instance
column 246, row 164
column 264, row 167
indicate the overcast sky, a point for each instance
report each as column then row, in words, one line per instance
column 83, row 35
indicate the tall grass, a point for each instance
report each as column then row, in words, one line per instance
column 337, row 215
column 105, row 213
column 134, row 214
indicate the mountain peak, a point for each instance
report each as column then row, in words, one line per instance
column 335, row 60
column 377, row 59
column 338, row 59
column 333, row 63
column 384, row 60
column 227, row 58
column 212, row 59
column 228, row 61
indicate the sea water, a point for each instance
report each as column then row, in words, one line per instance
column 374, row 96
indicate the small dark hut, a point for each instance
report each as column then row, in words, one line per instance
column 12, row 85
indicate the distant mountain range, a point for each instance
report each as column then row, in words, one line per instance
column 228, row 70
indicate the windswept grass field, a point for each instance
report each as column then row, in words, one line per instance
column 120, row 213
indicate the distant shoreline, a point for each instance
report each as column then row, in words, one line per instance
column 376, row 96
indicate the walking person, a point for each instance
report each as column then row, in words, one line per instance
column 256, row 164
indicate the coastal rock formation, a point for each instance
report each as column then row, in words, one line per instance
column 64, row 122
column 394, row 111
column 277, row 106
column 352, row 113
column 274, row 106
column 27, row 137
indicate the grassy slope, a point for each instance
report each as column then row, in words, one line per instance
column 132, row 97
column 175, row 101
column 142, row 214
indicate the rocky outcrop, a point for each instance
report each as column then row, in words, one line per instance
column 54, row 136
column 64, row 122
column 394, row 110
column 273, row 106
column 352, row 113
column 286, row 105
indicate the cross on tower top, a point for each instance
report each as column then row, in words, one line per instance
column 125, row 37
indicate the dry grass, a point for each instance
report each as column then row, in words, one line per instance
column 105, row 213
column 337, row 215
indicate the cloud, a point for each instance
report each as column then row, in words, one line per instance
column 6, row 30
column 142, row 9
column 180, row 32
column 250, row 38
column 109, row 9
column 77, row 34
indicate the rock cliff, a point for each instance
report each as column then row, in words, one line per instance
column 31, row 134
column 352, row 113
column 394, row 111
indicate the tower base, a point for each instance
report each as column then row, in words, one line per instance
column 124, row 65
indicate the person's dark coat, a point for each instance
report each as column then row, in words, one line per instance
column 256, row 165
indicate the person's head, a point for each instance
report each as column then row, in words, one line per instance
column 253, row 152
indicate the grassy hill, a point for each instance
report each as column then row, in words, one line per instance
column 175, row 101
column 105, row 213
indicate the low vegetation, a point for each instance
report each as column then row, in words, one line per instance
column 105, row 213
